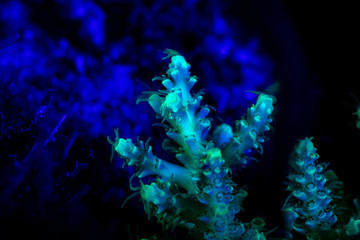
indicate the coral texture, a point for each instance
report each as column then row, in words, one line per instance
column 195, row 190
column 310, row 209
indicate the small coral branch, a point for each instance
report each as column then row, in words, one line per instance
column 308, row 209
column 140, row 156
column 188, row 125
column 249, row 131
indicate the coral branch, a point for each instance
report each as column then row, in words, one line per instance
column 211, row 201
column 308, row 207
column 142, row 158
column 249, row 131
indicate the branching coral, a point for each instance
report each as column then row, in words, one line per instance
column 310, row 209
column 197, row 192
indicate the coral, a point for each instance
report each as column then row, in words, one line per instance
column 353, row 227
column 71, row 72
column 313, row 207
column 197, row 191
column 309, row 205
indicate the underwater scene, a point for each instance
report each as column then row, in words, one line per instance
column 182, row 119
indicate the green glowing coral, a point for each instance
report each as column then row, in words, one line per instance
column 197, row 192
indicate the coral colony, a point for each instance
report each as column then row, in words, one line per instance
column 195, row 189
column 216, row 165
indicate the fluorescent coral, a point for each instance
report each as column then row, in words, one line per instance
column 310, row 209
column 211, row 199
column 71, row 71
